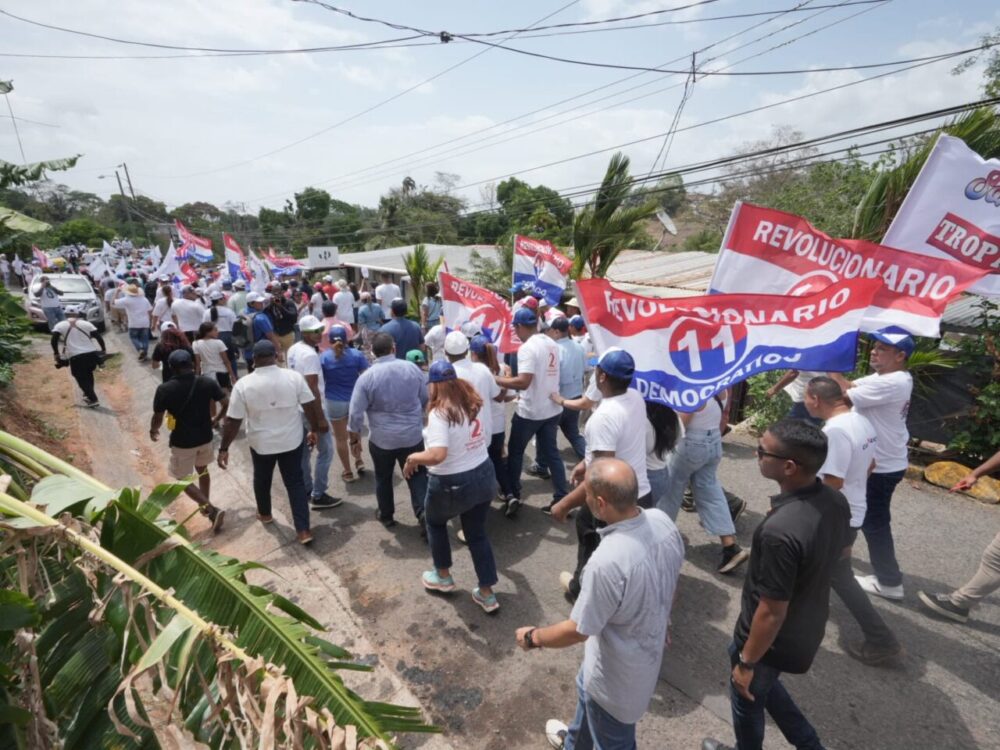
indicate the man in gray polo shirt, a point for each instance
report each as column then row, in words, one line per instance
column 622, row 613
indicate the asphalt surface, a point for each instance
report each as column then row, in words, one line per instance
column 465, row 670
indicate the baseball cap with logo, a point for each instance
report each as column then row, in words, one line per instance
column 309, row 323
column 525, row 317
column 440, row 372
column 416, row 357
column 896, row 337
column 470, row 328
column 253, row 297
column 456, row 343
column 617, row 363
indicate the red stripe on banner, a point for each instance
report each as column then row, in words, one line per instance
column 625, row 314
column 488, row 307
column 531, row 248
column 966, row 242
column 914, row 283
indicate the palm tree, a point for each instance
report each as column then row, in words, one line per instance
column 115, row 631
column 607, row 226
column 409, row 186
column 420, row 269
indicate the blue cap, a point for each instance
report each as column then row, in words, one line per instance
column 896, row 337
column 577, row 322
column 441, row 371
column 537, row 294
column 617, row 363
column 479, row 343
column 337, row 333
column 525, row 317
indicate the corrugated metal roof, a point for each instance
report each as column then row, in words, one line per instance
column 390, row 259
column 963, row 314
column 663, row 274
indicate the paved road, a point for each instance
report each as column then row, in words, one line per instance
column 463, row 666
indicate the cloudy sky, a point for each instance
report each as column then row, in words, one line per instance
column 253, row 129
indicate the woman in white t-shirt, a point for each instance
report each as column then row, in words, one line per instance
column 224, row 319
column 162, row 308
column 481, row 350
column 663, row 429
column 460, row 481
column 211, row 358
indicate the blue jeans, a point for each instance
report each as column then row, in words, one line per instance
column 569, row 424
column 384, row 461
column 877, row 528
column 499, row 462
column 544, row 430
column 770, row 695
column 53, row 315
column 593, row 728
column 696, row 460
column 290, row 465
column 447, row 494
column 140, row 339
column 317, row 481
column 659, row 484
column 799, row 411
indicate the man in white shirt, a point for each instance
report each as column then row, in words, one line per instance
column 478, row 375
column 434, row 341
column 536, row 416
column 50, row 300
column 385, row 293
column 188, row 312
column 344, row 300
column 615, row 430
column 269, row 399
column 137, row 311
column 884, row 398
column 73, row 345
column 18, row 267
column 850, row 458
column 303, row 357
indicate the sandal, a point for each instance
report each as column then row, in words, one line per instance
column 348, row 477
column 360, row 466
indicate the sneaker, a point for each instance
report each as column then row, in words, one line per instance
column 872, row 655
column 547, row 509
column 461, row 536
column 737, row 508
column 732, row 557
column 538, row 471
column 489, row 603
column 265, row 519
column 710, row 744
column 555, row 733
column 325, row 501
column 216, row 516
column 91, row 404
column 142, row 356
column 941, row 604
column 687, row 504
column 387, row 521
column 513, row 506
column 305, row 537
column 433, row 582
column 565, row 579
column 872, row 586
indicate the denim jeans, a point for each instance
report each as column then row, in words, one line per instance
column 499, row 462
column 659, row 484
column 860, row 606
column 769, row 694
column 53, row 315
column 441, row 503
column 593, row 728
column 140, row 339
column 290, row 465
column 569, row 425
column 877, row 528
column 544, row 430
column 799, row 411
column 316, row 481
column 384, row 462
column 696, row 460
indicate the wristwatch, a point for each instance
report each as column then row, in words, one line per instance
column 747, row 665
column 529, row 641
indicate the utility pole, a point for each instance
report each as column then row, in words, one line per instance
column 128, row 207
column 128, row 179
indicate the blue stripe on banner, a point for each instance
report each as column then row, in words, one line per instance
column 203, row 256
column 553, row 294
column 683, row 395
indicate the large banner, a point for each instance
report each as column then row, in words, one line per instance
column 465, row 301
column 688, row 349
column 953, row 211
column 539, row 264
column 236, row 261
column 773, row 252
column 192, row 245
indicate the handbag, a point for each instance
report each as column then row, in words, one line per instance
column 171, row 419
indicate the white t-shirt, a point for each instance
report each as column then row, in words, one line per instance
column 109, row 295
column 616, row 426
column 851, row 445
column 539, row 356
column 304, row 359
column 707, row 418
column 268, row 399
column 48, row 297
column 481, row 379
column 316, row 302
column 211, row 352
column 885, row 400
column 161, row 311
column 384, row 295
column 344, row 300
column 76, row 338
column 796, row 390
column 653, row 461
column 466, row 443
column 136, row 308
column 225, row 321
column 434, row 339
column 189, row 314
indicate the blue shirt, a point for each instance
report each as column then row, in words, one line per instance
column 340, row 374
column 261, row 327
column 405, row 333
column 571, row 363
column 370, row 316
column 393, row 394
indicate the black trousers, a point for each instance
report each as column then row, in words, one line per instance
column 82, row 367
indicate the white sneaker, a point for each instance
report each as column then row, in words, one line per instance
column 565, row 579
column 461, row 536
column 555, row 733
column 872, row 586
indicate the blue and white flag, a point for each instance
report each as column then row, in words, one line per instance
column 688, row 349
column 538, row 264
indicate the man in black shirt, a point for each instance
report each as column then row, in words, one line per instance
column 283, row 315
column 786, row 594
column 188, row 398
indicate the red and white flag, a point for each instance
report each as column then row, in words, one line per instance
column 193, row 245
column 464, row 301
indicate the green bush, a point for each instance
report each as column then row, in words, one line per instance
column 977, row 438
column 763, row 410
column 13, row 335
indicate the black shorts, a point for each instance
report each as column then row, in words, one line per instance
column 224, row 381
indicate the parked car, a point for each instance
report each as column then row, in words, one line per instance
column 75, row 292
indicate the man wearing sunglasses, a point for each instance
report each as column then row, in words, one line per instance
column 786, row 594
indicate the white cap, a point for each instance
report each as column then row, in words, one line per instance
column 310, row 323
column 239, row 284
column 456, row 343
column 166, row 325
column 255, row 297
column 470, row 328
column 341, row 284
column 216, row 295
column 328, row 278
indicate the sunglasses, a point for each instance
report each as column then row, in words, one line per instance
column 761, row 453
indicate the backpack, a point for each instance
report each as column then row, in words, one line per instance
column 243, row 331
